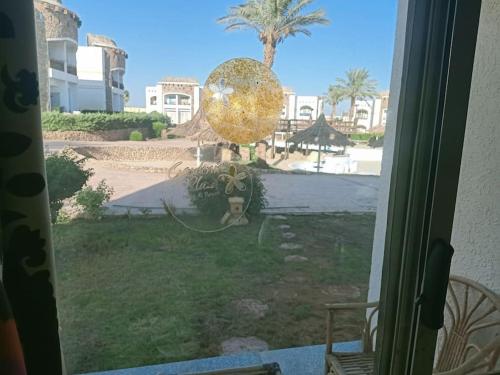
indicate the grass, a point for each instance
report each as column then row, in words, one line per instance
column 142, row 291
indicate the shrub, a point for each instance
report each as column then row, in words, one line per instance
column 376, row 141
column 136, row 136
column 92, row 200
column 209, row 188
column 65, row 176
column 54, row 121
column 157, row 128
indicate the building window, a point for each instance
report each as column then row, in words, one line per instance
column 362, row 114
column 306, row 111
column 171, row 99
column 184, row 100
column 152, row 100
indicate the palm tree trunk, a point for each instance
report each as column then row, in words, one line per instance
column 269, row 53
column 353, row 107
column 334, row 111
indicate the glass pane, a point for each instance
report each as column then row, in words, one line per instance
column 222, row 209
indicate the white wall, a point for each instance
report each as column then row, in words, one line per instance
column 389, row 139
column 476, row 228
column 90, row 62
column 91, row 96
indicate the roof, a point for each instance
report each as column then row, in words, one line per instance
column 172, row 79
column 198, row 128
column 321, row 133
column 100, row 40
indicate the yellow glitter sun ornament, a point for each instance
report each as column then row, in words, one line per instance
column 242, row 100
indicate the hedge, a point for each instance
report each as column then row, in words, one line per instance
column 364, row 136
column 88, row 122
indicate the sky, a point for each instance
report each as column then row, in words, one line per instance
column 182, row 38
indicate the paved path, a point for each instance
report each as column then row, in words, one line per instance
column 286, row 193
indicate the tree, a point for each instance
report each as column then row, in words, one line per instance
column 334, row 96
column 126, row 96
column 274, row 21
column 357, row 85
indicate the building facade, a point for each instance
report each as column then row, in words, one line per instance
column 300, row 107
column 372, row 113
column 101, row 68
column 76, row 78
column 176, row 97
column 57, row 43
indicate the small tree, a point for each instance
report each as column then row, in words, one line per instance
column 65, row 176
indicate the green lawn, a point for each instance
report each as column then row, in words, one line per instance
column 141, row 291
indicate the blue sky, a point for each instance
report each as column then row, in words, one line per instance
column 181, row 37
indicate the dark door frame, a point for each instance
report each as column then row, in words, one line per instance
column 438, row 59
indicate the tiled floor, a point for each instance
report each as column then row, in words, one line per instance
column 306, row 360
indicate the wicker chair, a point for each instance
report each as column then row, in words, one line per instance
column 469, row 342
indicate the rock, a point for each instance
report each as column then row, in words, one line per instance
column 288, row 235
column 290, row 246
column 243, row 344
column 284, row 226
column 295, row 258
column 252, row 307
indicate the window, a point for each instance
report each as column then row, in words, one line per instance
column 306, row 111
column 152, row 100
column 171, row 99
column 362, row 114
column 184, row 100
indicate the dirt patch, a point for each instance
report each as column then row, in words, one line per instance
column 136, row 153
column 102, row 135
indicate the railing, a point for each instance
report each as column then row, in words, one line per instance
column 71, row 69
column 57, row 65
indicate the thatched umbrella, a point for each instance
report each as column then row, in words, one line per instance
column 321, row 134
column 198, row 129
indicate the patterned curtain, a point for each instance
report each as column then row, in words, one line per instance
column 25, row 244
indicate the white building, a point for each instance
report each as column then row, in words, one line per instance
column 101, row 67
column 176, row 97
column 372, row 113
column 57, row 30
column 300, row 107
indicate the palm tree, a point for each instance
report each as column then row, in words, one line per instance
column 357, row 85
column 126, row 96
column 274, row 21
column 334, row 96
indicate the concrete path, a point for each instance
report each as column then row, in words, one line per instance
column 286, row 193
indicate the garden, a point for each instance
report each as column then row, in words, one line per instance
column 134, row 291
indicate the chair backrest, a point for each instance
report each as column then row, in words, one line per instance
column 470, row 338
column 370, row 329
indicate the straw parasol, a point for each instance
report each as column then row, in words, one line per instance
column 198, row 129
column 321, row 134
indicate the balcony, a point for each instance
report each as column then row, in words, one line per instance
column 71, row 69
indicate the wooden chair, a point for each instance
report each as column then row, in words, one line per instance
column 469, row 342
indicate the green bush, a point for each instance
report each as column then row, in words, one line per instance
column 136, row 136
column 92, row 200
column 209, row 188
column 65, row 176
column 157, row 128
column 364, row 136
column 54, row 121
